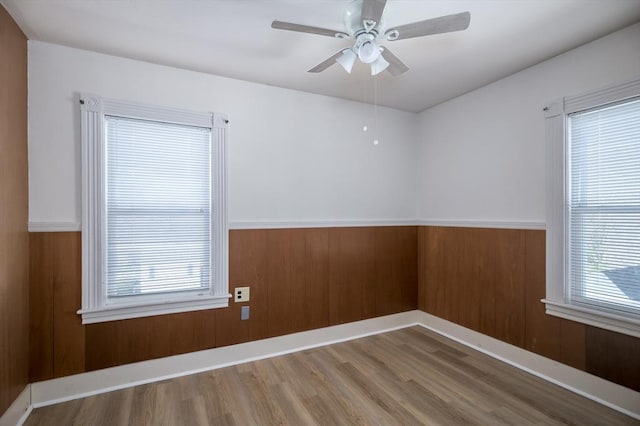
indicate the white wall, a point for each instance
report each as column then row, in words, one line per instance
column 296, row 156
column 292, row 155
column 481, row 156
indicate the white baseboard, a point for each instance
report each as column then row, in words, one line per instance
column 82, row 385
column 67, row 388
column 19, row 410
column 595, row 388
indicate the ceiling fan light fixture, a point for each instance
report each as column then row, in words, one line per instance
column 364, row 21
column 379, row 65
column 347, row 60
column 368, row 51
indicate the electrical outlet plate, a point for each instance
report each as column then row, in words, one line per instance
column 244, row 312
column 241, row 294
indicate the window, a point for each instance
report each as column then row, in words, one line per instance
column 593, row 217
column 154, row 232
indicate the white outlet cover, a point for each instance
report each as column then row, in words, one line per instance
column 241, row 294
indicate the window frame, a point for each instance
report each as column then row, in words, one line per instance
column 95, row 306
column 558, row 284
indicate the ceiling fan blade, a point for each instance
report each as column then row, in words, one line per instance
column 396, row 66
column 372, row 10
column 279, row 25
column 327, row 62
column 443, row 24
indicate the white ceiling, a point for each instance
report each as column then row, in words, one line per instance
column 234, row 39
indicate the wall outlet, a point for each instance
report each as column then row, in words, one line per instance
column 241, row 294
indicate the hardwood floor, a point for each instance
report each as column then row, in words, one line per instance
column 408, row 376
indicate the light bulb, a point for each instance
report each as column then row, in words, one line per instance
column 376, row 142
column 368, row 51
column 364, row 128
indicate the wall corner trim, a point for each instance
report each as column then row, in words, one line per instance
column 55, row 226
column 19, row 410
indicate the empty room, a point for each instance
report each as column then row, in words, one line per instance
column 319, row 212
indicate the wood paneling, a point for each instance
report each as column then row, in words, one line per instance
column 422, row 267
column 475, row 244
column 317, row 278
column 396, row 261
column 489, row 280
column 572, row 344
column 543, row 332
column 247, row 267
column 57, row 335
column 442, row 270
column 352, row 270
column 509, row 295
column 494, row 280
column 286, row 266
column 547, row 335
column 613, row 357
column 40, row 306
column 14, row 239
column 121, row 342
column 68, row 335
column 297, row 278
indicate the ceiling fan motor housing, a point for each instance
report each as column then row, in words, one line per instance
column 354, row 24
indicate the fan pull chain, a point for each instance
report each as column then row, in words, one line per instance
column 375, row 110
column 365, row 96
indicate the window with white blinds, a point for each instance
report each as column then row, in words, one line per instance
column 603, row 209
column 154, row 230
column 593, row 208
column 158, row 208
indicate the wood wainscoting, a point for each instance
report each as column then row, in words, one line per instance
column 300, row 279
column 488, row 280
column 14, row 239
column 492, row 280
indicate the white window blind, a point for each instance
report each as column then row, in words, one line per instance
column 154, row 224
column 603, row 209
column 158, row 208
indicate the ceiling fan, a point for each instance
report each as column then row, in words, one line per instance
column 364, row 23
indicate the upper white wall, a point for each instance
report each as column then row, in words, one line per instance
column 296, row 156
column 482, row 155
column 293, row 156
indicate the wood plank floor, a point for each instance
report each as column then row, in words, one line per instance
column 408, row 376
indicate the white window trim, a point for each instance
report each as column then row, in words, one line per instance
column 92, row 111
column 556, row 114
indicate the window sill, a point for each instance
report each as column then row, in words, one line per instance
column 607, row 321
column 114, row 313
